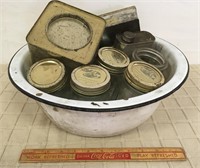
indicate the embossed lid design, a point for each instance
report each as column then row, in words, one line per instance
column 90, row 80
column 143, row 76
column 115, row 61
column 47, row 75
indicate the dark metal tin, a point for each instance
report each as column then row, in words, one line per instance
column 129, row 41
column 118, row 21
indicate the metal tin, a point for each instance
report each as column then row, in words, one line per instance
column 115, row 61
column 65, row 31
column 150, row 56
column 128, row 41
column 118, row 21
column 47, row 75
column 90, row 80
column 143, row 76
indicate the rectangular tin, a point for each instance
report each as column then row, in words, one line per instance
column 50, row 36
column 118, row 21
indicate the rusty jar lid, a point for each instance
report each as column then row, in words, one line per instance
column 47, row 75
column 143, row 76
column 115, row 61
column 90, row 80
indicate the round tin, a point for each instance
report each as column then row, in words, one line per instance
column 115, row 61
column 143, row 76
column 47, row 75
column 90, row 80
column 150, row 56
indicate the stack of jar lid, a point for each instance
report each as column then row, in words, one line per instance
column 48, row 75
column 115, row 61
column 143, row 76
column 151, row 56
column 90, row 80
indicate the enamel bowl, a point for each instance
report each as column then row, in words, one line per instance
column 101, row 118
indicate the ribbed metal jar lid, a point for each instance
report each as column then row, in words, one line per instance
column 90, row 80
column 143, row 76
column 115, row 61
column 150, row 56
column 47, row 75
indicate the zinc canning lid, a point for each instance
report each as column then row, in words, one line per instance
column 90, row 80
column 151, row 56
column 144, row 76
column 47, row 75
column 113, row 59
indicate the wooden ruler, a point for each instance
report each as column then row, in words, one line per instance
column 102, row 154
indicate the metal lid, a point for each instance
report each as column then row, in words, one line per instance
column 137, row 37
column 90, row 80
column 143, row 76
column 115, row 61
column 69, row 32
column 150, row 56
column 47, row 75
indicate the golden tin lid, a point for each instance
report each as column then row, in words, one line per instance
column 47, row 75
column 115, row 61
column 90, row 80
column 143, row 76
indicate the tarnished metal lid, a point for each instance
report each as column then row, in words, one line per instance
column 150, row 56
column 69, row 32
column 90, row 80
column 137, row 37
column 115, row 61
column 143, row 76
column 47, row 75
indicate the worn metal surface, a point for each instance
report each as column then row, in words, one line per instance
column 118, row 21
column 151, row 56
column 65, row 32
column 129, row 41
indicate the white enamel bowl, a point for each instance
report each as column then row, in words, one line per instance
column 101, row 118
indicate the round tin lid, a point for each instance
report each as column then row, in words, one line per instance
column 143, row 76
column 47, row 75
column 90, row 80
column 115, row 61
column 69, row 32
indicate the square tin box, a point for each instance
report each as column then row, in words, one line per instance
column 65, row 32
